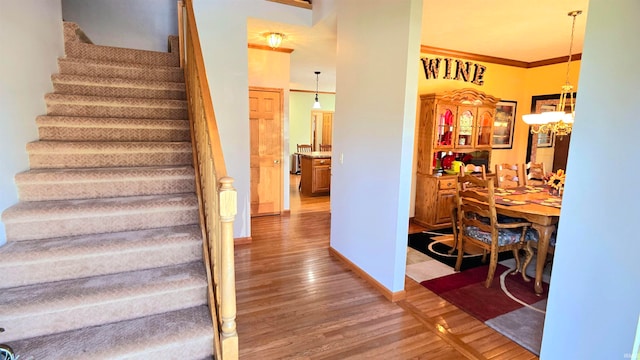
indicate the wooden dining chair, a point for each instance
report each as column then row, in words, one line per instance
column 509, row 175
column 479, row 225
column 482, row 174
column 304, row 148
column 535, row 174
column 325, row 147
column 531, row 241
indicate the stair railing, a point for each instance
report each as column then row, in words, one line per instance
column 216, row 195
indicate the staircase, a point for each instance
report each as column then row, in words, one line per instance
column 104, row 251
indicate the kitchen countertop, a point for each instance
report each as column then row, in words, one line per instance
column 317, row 154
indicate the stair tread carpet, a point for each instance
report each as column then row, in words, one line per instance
column 103, row 174
column 67, row 154
column 87, row 183
column 117, row 88
column 42, row 309
column 45, row 219
column 63, row 209
column 109, row 123
column 67, row 99
column 54, row 259
column 70, row 128
column 181, row 334
column 104, row 68
column 117, row 82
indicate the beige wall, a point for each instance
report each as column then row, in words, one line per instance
column 507, row 83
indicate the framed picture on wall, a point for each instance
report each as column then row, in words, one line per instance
column 504, row 124
column 545, row 140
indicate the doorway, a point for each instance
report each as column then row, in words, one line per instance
column 321, row 128
column 265, row 122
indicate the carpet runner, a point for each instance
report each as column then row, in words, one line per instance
column 104, row 252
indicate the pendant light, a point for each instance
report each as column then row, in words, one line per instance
column 316, row 104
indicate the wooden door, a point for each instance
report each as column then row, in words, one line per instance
column 265, row 118
column 327, row 123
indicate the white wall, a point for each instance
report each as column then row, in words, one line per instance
column 135, row 24
column 377, row 84
column 222, row 25
column 594, row 300
column 31, row 38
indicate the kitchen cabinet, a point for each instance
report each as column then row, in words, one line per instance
column 454, row 124
column 315, row 174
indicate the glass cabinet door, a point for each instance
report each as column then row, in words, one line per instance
column 466, row 121
column 445, row 126
column 484, row 133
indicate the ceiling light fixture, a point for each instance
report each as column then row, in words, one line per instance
column 274, row 39
column 558, row 121
column 316, row 104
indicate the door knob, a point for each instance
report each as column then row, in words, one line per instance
column 276, row 161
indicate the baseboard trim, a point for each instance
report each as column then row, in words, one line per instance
column 242, row 240
column 391, row 296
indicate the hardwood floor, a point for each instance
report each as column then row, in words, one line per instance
column 295, row 301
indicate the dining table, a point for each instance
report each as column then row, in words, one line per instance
column 539, row 205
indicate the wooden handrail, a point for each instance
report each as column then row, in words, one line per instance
column 216, row 196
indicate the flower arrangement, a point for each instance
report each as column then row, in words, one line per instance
column 556, row 180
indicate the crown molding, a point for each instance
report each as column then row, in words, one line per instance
column 495, row 60
column 269, row 48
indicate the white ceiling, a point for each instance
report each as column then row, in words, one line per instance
column 523, row 30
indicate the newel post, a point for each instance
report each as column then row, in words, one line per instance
column 228, row 210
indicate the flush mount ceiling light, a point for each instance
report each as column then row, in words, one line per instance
column 558, row 121
column 274, row 39
column 316, row 104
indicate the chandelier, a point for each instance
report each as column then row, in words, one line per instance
column 558, row 121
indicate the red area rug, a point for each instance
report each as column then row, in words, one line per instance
column 509, row 306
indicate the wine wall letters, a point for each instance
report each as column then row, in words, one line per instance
column 453, row 70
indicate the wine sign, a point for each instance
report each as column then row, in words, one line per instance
column 454, row 70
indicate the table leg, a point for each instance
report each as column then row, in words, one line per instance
column 544, row 235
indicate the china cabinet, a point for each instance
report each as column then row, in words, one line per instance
column 455, row 125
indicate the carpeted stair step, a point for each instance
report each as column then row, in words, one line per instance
column 91, row 183
column 182, row 334
column 49, row 219
column 116, row 69
column 55, row 259
column 77, row 44
column 110, row 53
column 115, row 87
column 69, row 128
column 57, row 154
column 100, row 106
column 43, row 309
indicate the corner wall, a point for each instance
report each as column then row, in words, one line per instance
column 593, row 305
column 139, row 24
column 31, row 35
column 373, row 128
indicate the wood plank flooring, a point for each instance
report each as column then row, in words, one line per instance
column 295, row 301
